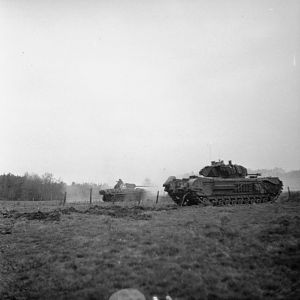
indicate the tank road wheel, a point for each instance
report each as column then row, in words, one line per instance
column 200, row 200
column 205, row 201
column 185, row 199
column 221, row 202
column 177, row 200
column 108, row 198
column 227, row 201
column 114, row 199
column 214, row 202
column 257, row 200
column 246, row 200
column 233, row 201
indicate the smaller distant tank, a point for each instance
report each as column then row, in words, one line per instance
column 123, row 192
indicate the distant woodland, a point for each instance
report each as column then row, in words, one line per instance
column 31, row 187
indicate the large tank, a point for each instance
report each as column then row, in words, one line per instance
column 123, row 192
column 220, row 184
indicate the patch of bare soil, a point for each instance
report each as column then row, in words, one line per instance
column 39, row 215
column 241, row 252
column 135, row 212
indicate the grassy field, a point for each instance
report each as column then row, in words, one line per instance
column 88, row 252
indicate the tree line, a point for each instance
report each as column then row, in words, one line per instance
column 31, row 187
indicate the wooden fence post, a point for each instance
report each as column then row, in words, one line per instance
column 91, row 192
column 140, row 196
column 157, row 197
column 65, row 199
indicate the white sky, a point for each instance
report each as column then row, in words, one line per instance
column 101, row 90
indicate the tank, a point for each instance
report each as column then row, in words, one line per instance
column 123, row 192
column 221, row 184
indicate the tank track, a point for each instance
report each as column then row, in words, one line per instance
column 220, row 200
column 122, row 197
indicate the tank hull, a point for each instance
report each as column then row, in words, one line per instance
column 222, row 191
column 114, row 195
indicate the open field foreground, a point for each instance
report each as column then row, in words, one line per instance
column 82, row 252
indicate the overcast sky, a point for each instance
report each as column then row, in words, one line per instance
column 101, row 90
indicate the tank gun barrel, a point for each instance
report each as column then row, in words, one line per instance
column 133, row 186
column 145, row 185
column 254, row 174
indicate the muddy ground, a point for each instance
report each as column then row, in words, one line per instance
column 89, row 252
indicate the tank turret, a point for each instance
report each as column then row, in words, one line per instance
column 219, row 169
column 123, row 192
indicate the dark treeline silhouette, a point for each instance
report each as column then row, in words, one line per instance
column 31, row 187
